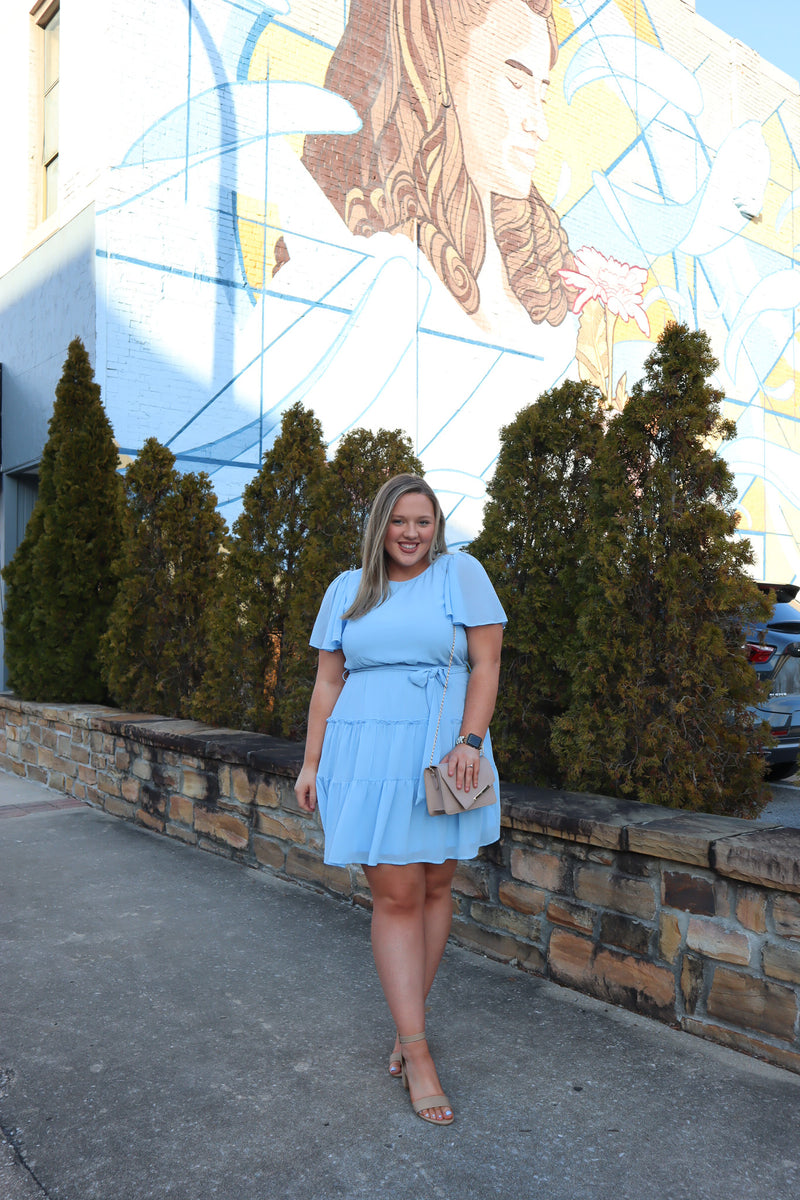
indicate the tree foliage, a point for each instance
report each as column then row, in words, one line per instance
column 60, row 584
column 660, row 686
column 612, row 547
column 533, row 543
column 259, row 575
column 155, row 647
column 339, row 508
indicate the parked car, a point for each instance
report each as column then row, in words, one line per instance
column 774, row 651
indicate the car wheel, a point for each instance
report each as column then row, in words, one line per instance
column 782, row 771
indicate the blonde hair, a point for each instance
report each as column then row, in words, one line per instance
column 374, row 586
column 405, row 171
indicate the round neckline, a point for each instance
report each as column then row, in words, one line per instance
column 414, row 578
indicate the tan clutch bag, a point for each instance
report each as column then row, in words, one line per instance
column 444, row 799
column 441, row 794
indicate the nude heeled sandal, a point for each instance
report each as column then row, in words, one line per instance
column 419, row 1106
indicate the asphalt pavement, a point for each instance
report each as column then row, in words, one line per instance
column 785, row 804
column 175, row 1025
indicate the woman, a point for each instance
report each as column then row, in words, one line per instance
column 385, row 634
column 451, row 94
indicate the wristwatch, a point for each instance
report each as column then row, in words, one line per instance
column 470, row 739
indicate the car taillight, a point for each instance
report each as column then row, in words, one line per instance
column 758, row 653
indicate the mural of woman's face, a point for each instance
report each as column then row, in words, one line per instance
column 498, row 84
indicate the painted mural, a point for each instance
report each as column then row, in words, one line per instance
column 422, row 213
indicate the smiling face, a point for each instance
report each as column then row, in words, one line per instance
column 409, row 535
column 498, row 82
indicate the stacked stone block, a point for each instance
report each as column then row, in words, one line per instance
column 687, row 918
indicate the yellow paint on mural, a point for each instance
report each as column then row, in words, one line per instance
column 783, row 166
column 577, row 139
column 660, row 315
column 782, row 545
column 284, row 54
column 257, row 237
column 565, row 21
column 661, row 311
column 587, row 136
column 640, row 24
column 781, row 522
column 763, row 229
column 783, row 378
column 780, row 432
column 793, row 523
column 752, row 508
column 279, row 54
column 662, row 274
column 634, row 12
column 777, row 566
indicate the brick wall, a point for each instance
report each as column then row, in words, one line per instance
column 688, row 918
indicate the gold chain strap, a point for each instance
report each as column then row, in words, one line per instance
column 444, row 693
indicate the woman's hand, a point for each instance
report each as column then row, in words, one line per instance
column 327, row 686
column 306, row 789
column 464, row 762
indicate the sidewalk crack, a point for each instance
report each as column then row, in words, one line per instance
column 19, row 1160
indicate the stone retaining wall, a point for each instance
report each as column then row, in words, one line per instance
column 688, row 918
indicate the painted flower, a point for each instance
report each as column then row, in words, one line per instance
column 618, row 286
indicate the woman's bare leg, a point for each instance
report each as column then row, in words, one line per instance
column 437, row 919
column 409, row 933
column 438, row 915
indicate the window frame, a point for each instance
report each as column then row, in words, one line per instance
column 42, row 14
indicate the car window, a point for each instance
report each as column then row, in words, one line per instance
column 786, row 681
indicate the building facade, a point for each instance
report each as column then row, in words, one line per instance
column 412, row 214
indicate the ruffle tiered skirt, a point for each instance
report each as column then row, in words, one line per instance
column 370, row 787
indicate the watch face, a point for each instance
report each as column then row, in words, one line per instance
column 473, row 740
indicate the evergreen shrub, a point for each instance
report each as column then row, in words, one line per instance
column 339, row 506
column 661, row 689
column 155, row 648
column 258, row 578
column 61, row 583
column 533, row 544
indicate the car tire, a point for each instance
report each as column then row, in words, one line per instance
column 782, row 771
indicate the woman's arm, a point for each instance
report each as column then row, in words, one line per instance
column 327, row 686
column 484, row 643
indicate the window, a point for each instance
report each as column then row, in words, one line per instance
column 27, row 495
column 50, row 115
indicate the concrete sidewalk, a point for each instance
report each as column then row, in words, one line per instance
column 175, row 1025
column 785, row 804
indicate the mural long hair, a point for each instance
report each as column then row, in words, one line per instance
column 405, row 171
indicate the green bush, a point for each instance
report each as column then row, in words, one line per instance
column 258, row 578
column 532, row 543
column 339, row 507
column 612, row 548
column 154, row 651
column 661, row 688
column 60, row 584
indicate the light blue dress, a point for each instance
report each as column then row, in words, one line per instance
column 381, row 732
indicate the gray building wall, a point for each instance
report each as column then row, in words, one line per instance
column 45, row 301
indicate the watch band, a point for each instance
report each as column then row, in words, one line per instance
column 470, row 739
